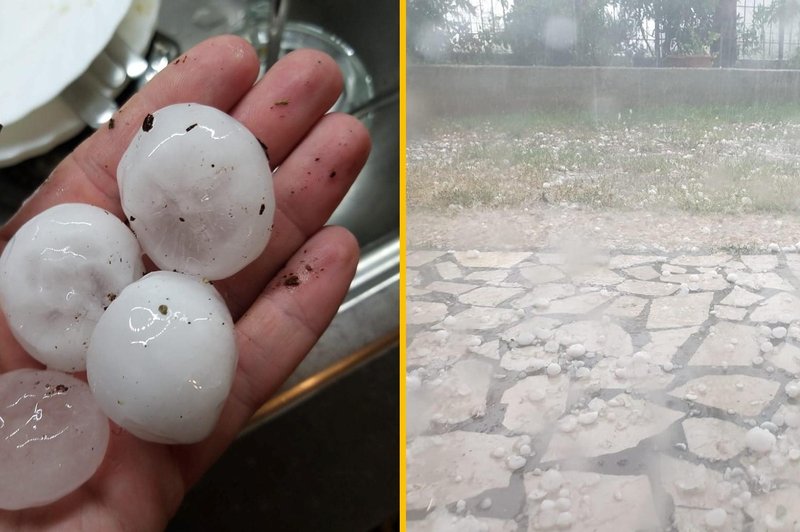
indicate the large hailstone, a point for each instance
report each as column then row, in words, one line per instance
column 53, row 437
column 162, row 358
column 197, row 189
column 57, row 276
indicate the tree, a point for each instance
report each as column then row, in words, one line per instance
column 432, row 26
column 560, row 32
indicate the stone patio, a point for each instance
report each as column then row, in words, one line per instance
column 620, row 392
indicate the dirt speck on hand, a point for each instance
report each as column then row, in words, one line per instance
column 147, row 124
column 292, row 280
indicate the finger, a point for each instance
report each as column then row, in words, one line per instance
column 277, row 332
column 216, row 72
column 308, row 186
column 290, row 98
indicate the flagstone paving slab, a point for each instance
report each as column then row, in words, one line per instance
column 600, row 503
column 728, row 343
column 643, row 273
column 739, row 297
column 452, row 466
column 534, row 403
column 679, row 310
column 626, row 422
column 488, row 296
column 489, row 259
column 742, row 394
column 541, row 274
column 712, row 438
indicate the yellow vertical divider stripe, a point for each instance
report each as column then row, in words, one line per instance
column 402, row 198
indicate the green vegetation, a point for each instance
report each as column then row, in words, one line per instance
column 708, row 159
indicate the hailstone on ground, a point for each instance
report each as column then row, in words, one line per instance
column 53, row 437
column 197, row 189
column 162, row 358
column 58, row 274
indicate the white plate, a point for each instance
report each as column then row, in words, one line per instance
column 45, row 47
column 54, row 122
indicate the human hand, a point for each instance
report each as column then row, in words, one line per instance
column 140, row 484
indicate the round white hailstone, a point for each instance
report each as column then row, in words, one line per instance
column 461, row 506
column 587, row 418
column 582, row 373
column 541, row 303
column 48, row 454
column 536, row 395
column 441, row 336
column 197, row 189
column 485, row 504
column 779, row 332
column 667, row 366
column 515, row 462
column 792, row 389
column 770, row 426
column 568, row 423
column 794, row 454
column 58, row 274
column 563, row 503
column 732, row 277
column 773, row 247
column 576, row 350
column 525, row 339
column 498, row 452
column 525, row 449
column 766, row 347
column 473, row 254
column 551, row 480
column 716, row 518
column 565, row 520
column 413, row 381
column 162, row 358
column 551, row 346
column 553, row 369
column 759, row 440
column 596, row 404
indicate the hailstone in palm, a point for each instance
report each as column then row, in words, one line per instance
column 162, row 358
column 197, row 189
column 59, row 273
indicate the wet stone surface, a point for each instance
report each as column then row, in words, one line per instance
column 545, row 394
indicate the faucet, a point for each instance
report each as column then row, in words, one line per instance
column 266, row 21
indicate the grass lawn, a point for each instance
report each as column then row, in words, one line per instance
column 701, row 160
